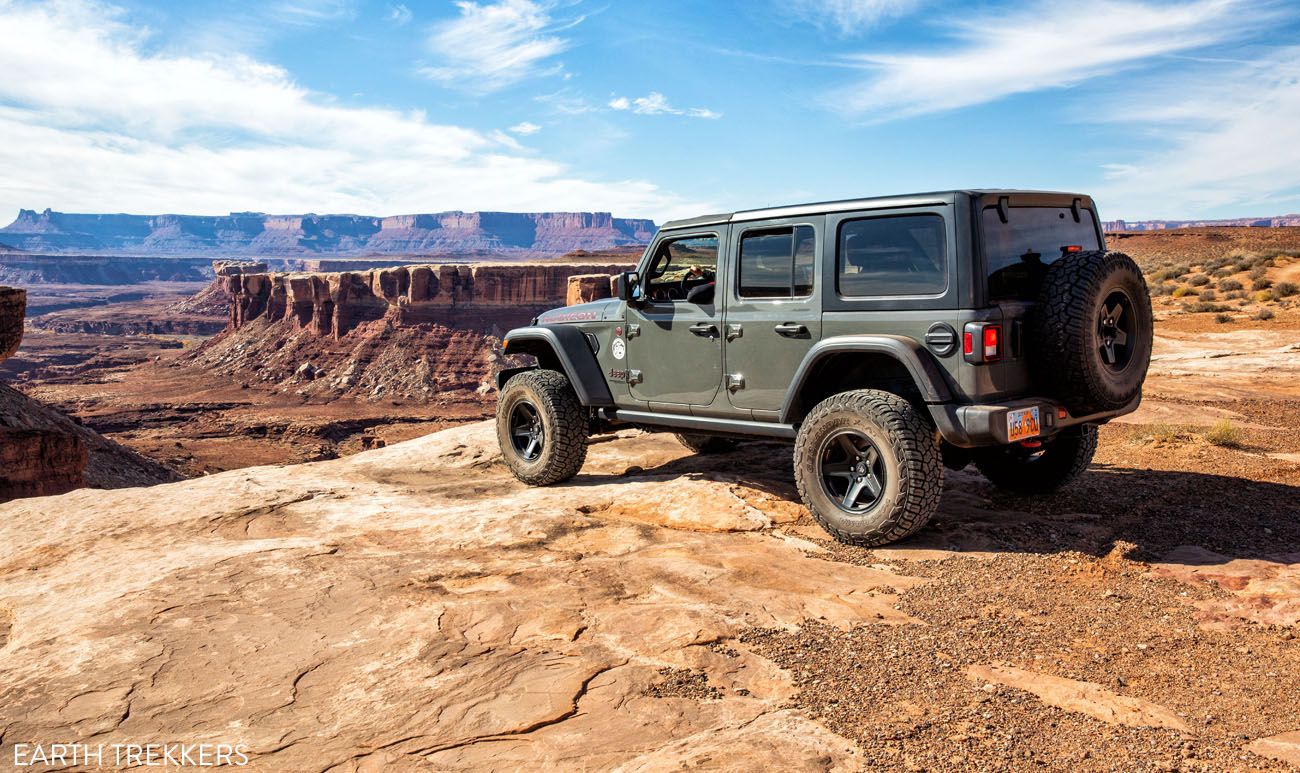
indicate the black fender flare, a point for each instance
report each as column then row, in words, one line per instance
column 926, row 373
column 569, row 347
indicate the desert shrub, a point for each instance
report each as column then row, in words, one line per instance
column 1208, row 295
column 1182, row 292
column 1285, row 289
column 1265, row 314
column 1223, row 319
column 1223, row 433
column 1220, row 273
column 1263, row 296
column 1199, row 280
column 1164, row 288
column 1261, row 284
column 1235, row 295
column 1201, row 307
column 1258, row 272
column 1228, row 285
column 1161, row 434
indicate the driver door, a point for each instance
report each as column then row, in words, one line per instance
column 674, row 339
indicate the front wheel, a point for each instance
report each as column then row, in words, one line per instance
column 541, row 427
column 868, row 467
column 1042, row 469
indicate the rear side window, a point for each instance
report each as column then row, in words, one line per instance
column 1019, row 251
column 899, row 255
column 777, row 263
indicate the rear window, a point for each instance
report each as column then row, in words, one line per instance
column 1019, row 251
column 898, row 255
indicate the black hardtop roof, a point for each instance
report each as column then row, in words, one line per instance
column 873, row 202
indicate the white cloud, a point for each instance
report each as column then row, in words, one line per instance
column 851, row 16
column 525, row 128
column 494, row 45
column 1047, row 45
column 399, row 14
column 308, row 13
column 655, row 103
column 93, row 119
column 1232, row 143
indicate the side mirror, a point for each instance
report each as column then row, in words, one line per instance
column 627, row 286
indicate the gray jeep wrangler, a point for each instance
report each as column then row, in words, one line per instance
column 886, row 337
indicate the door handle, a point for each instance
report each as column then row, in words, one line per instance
column 791, row 330
column 704, row 330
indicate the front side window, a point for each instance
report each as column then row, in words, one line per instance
column 776, row 263
column 895, row 255
column 684, row 269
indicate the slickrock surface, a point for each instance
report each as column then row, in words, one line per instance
column 414, row 607
column 414, row 604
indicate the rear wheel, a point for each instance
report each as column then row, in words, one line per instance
column 868, row 467
column 1042, row 470
column 541, row 428
column 706, row 444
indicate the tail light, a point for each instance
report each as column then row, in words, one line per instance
column 1069, row 248
column 982, row 342
column 992, row 343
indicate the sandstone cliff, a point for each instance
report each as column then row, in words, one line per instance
column 43, row 452
column 419, row 332
column 537, row 234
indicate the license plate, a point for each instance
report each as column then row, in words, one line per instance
column 1023, row 423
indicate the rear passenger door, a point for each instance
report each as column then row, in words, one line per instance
column 773, row 315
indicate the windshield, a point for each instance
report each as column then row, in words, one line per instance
column 1019, row 251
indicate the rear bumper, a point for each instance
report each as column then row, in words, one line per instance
column 971, row 426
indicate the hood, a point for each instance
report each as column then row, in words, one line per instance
column 593, row 311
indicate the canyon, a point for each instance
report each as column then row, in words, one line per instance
column 261, row 367
column 443, row 234
column 42, row 451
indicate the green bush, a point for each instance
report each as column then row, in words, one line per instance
column 1182, row 292
column 1264, row 296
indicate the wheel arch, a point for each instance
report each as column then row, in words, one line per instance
column 559, row 348
column 891, row 363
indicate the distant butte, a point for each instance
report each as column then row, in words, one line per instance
column 450, row 234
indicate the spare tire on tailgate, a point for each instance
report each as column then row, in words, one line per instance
column 1090, row 335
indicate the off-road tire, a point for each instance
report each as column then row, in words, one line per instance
column 706, row 444
column 1020, row 470
column 907, row 446
column 1065, row 342
column 564, row 422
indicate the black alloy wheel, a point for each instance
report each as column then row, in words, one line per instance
column 852, row 470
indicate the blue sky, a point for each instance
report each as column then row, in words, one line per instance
column 664, row 109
